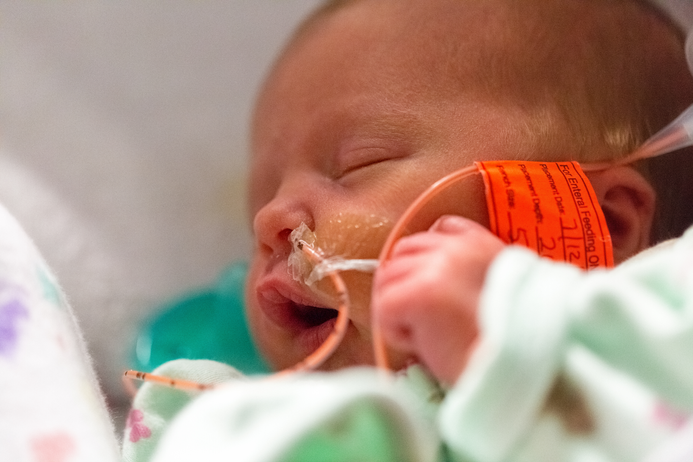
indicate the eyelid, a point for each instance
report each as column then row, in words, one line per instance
column 355, row 158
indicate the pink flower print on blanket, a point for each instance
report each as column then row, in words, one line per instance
column 665, row 414
column 138, row 430
column 11, row 312
column 54, row 447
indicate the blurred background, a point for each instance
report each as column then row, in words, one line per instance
column 123, row 148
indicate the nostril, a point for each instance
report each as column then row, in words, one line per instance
column 274, row 222
column 284, row 234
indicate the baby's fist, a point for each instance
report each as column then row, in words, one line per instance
column 425, row 297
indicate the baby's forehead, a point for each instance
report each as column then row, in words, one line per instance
column 477, row 24
column 553, row 58
column 491, row 44
column 416, row 25
column 428, row 54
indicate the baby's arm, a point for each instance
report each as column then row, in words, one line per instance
column 534, row 319
column 425, row 298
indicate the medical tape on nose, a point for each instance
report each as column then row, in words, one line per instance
column 549, row 207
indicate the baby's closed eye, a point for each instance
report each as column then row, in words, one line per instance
column 350, row 161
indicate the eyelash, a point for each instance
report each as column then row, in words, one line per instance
column 355, row 162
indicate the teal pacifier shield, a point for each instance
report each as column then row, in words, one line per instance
column 207, row 324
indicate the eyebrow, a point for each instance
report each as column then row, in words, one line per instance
column 386, row 122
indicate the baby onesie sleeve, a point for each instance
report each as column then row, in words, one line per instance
column 537, row 316
column 51, row 408
column 515, row 363
column 155, row 405
column 639, row 318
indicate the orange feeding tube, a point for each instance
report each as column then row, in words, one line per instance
column 313, row 361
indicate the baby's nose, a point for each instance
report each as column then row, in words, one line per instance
column 274, row 223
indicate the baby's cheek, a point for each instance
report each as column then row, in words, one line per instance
column 352, row 237
column 359, row 285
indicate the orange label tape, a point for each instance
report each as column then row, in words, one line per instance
column 549, row 207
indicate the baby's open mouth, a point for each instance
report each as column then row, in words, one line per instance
column 310, row 324
column 293, row 311
column 311, row 316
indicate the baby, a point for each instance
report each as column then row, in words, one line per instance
column 370, row 103
column 373, row 101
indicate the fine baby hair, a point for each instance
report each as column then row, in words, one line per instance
column 676, row 135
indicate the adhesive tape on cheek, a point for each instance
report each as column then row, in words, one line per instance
column 549, row 207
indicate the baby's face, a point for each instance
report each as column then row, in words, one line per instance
column 353, row 124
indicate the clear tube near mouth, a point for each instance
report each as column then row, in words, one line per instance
column 308, row 272
column 300, row 266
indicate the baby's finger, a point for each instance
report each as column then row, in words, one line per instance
column 391, row 309
column 456, row 224
column 414, row 244
column 401, row 268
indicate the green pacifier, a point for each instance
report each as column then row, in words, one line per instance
column 205, row 324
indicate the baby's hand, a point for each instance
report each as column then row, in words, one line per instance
column 425, row 298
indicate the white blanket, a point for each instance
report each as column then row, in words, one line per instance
column 51, row 409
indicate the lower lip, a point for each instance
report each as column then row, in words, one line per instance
column 308, row 339
column 311, row 338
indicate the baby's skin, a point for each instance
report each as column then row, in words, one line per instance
column 425, row 298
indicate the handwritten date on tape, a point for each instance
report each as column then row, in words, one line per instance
column 549, row 207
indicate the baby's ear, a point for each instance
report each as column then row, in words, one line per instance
column 628, row 202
